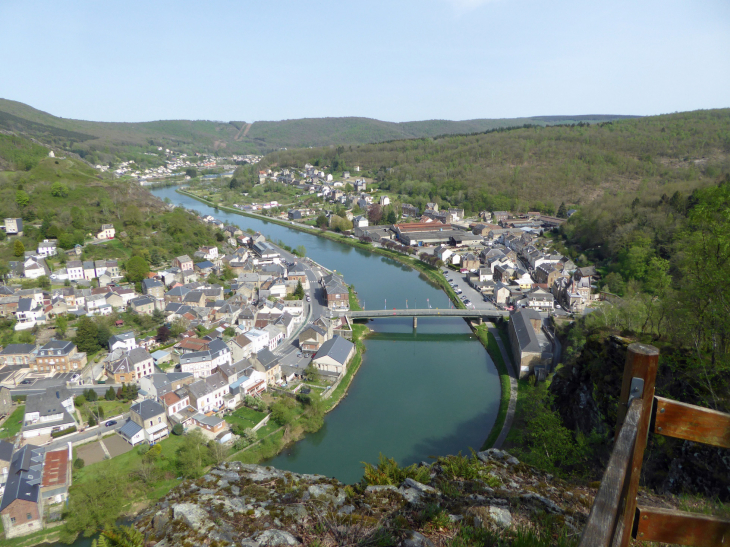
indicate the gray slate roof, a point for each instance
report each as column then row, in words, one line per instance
column 336, row 348
column 148, row 409
column 24, row 476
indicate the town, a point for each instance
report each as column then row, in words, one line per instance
column 202, row 339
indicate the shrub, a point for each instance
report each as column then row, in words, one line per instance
column 143, row 449
column 177, row 429
column 78, row 463
column 388, row 472
column 80, row 401
column 63, row 432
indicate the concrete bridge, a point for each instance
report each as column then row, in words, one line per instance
column 429, row 312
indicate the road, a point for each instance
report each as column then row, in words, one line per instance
column 88, row 434
column 427, row 313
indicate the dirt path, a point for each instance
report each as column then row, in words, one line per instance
column 509, row 418
column 243, row 130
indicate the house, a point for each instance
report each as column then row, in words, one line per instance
column 131, row 367
column 529, row 344
column 209, row 253
column 125, row 341
column 107, row 232
column 469, row 261
column 259, row 339
column 75, row 270
column 500, row 216
column 311, row 338
column 294, row 214
column 334, row 355
column 17, row 354
column 28, row 313
column 21, row 508
column 338, row 295
column 14, row 226
column 143, row 305
column 89, row 270
column 298, row 272
column 276, row 335
column 384, row 200
column 240, row 347
column 48, row 411
column 546, row 274
column 183, row 262
column 175, row 401
column 207, row 394
column 59, row 356
column 158, row 384
column 153, row 287
column 409, row 210
column 151, row 417
column 360, row 221
column 266, row 362
column 202, row 363
column 48, row 247
column 204, row 268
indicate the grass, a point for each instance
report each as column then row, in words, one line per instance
column 127, row 464
column 110, row 408
column 358, row 331
column 354, row 302
column 12, row 425
column 490, row 342
column 245, row 417
column 36, row 538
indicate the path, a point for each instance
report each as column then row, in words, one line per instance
column 509, row 418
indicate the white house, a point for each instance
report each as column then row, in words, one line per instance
column 75, row 269
column 48, row 411
column 48, row 247
column 124, row 341
column 259, row 339
column 107, row 232
column 202, row 363
column 275, row 336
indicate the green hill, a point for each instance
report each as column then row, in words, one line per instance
column 65, row 199
column 537, row 168
column 101, row 142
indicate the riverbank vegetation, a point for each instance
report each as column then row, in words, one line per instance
column 490, row 343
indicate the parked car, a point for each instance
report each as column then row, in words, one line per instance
column 111, row 423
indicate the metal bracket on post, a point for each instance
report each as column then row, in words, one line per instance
column 636, row 391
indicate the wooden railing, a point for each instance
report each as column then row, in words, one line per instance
column 615, row 517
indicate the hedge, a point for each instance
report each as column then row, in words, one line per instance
column 63, row 432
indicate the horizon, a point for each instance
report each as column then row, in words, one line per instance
column 390, row 61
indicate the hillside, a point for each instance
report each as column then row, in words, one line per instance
column 100, row 142
column 65, row 199
column 537, row 168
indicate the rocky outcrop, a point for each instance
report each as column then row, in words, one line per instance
column 253, row 506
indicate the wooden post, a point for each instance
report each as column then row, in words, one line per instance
column 641, row 362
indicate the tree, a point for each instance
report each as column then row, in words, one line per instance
column 193, row 455
column 59, row 190
column 391, row 217
column 299, row 291
column 79, row 463
column 92, row 420
column 110, row 394
column 18, row 248
column 178, row 326
column 562, row 211
column 80, row 401
column 103, row 334
column 86, row 338
column 191, row 172
column 177, row 429
column 91, row 395
column 22, row 198
column 230, row 332
column 137, row 269
column 158, row 316
column 283, row 411
column 93, row 505
column 321, row 222
column 375, row 214
column 300, row 251
column 132, row 216
column 163, row 334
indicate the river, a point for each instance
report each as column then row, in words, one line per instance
column 419, row 393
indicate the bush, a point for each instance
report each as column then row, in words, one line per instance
column 92, row 420
column 90, row 395
column 143, row 449
column 63, row 432
column 177, row 429
column 80, row 401
column 78, row 463
column 389, row 472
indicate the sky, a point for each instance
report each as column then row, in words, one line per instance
column 394, row 60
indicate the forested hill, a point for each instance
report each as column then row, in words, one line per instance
column 101, row 142
column 537, row 168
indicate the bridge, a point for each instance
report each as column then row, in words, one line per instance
column 428, row 312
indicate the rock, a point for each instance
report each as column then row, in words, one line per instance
column 191, row 514
column 346, row 510
column 297, row 511
column 414, row 539
column 501, row 516
column 248, row 542
column 494, row 454
column 549, row 504
column 159, row 521
column 273, row 538
column 411, row 495
column 235, row 490
column 422, row 488
column 379, row 488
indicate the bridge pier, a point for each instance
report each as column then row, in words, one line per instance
column 480, row 320
column 415, row 322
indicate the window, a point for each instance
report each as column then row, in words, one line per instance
column 28, row 516
column 12, row 520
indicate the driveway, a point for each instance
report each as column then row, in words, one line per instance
column 116, row 445
column 91, row 453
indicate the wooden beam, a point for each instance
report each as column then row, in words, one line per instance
column 599, row 530
column 681, row 528
column 692, row 423
column 642, row 362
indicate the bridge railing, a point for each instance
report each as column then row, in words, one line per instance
column 615, row 517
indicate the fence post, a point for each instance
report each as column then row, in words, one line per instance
column 641, row 362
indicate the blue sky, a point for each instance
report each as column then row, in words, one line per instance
column 395, row 60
